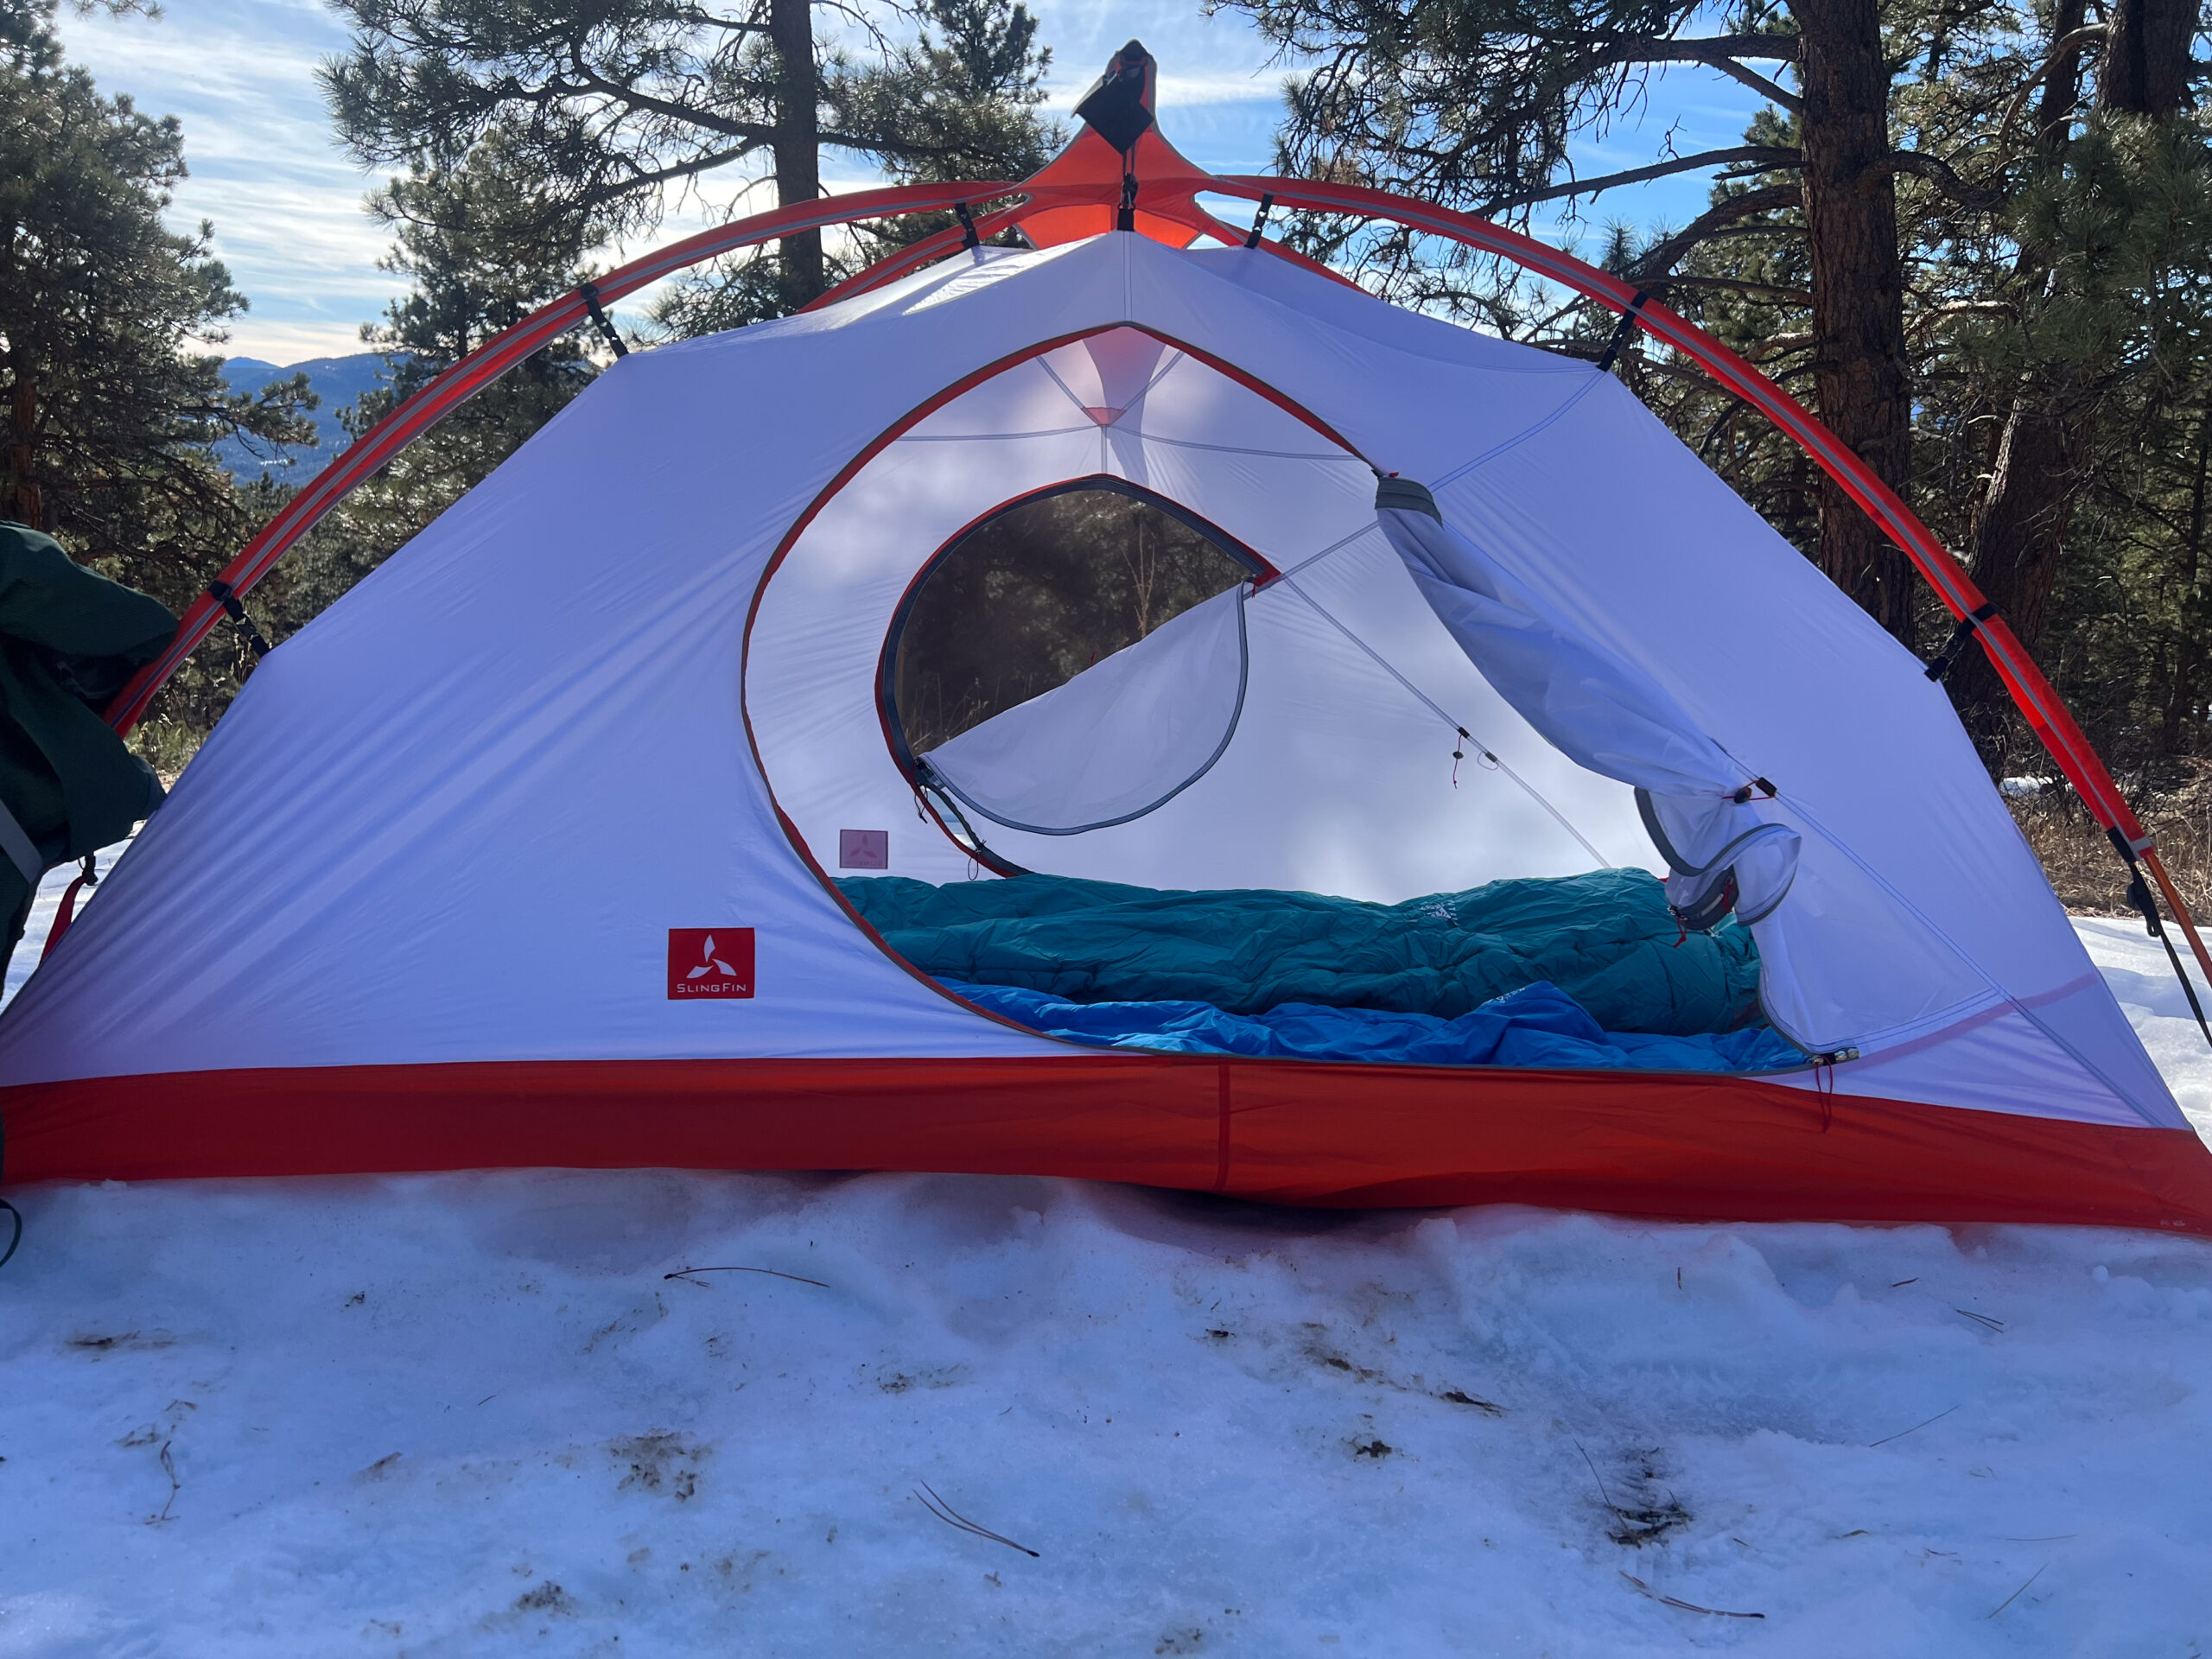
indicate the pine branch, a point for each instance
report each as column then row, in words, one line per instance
column 1942, row 174
column 1775, row 48
column 1763, row 156
column 1721, row 52
column 1659, row 260
column 2068, row 43
column 1775, row 291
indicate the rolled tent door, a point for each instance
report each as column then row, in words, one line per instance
column 1120, row 740
column 1605, row 712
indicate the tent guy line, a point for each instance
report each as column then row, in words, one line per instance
column 1598, row 859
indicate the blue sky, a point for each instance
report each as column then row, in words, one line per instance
column 286, row 202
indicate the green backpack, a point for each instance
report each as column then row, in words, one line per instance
column 69, row 640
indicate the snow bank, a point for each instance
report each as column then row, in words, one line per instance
column 471, row 1414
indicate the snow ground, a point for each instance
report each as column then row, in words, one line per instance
column 470, row 1414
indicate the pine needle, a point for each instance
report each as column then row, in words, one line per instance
column 1602, row 1492
column 168, row 1468
column 1690, row 1606
column 1915, row 1429
column 952, row 1517
column 685, row 1273
column 2016, row 1594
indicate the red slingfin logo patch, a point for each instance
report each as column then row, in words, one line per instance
column 709, row 962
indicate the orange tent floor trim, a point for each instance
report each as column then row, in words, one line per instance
column 1658, row 1145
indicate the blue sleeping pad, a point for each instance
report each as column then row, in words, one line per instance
column 1536, row 1025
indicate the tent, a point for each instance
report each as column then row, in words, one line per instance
column 528, row 851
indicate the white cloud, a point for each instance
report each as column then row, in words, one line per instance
column 265, row 167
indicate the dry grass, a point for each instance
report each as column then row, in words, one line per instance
column 2088, row 873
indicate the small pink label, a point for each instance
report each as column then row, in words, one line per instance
column 863, row 849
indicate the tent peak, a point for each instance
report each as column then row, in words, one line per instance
column 1118, row 173
column 1119, row 105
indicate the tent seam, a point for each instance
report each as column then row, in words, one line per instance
column 1987, row 978
column 1495, row 450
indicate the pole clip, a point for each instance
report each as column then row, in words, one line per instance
column 590, row 292
column 1623, row 329
column 1940, row 665
column 1259, row 219
column 227, row 596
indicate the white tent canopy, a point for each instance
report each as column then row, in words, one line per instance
column 632, row 683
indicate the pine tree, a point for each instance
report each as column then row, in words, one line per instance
column 109, row 397
column 109, row 408
column 1480, row 103
column 2111, row 214
column 613, row 104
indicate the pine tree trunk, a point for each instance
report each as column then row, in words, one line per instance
column 798, row 147
column 1858, row 293
column 2147, row 57
column 2027, row 507
column 26, row 502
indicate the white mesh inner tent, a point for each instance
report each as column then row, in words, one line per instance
column 1120, row 740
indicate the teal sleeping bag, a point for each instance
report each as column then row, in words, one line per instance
column 1606, row 939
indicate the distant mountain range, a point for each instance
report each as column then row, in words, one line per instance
column 337, row 380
